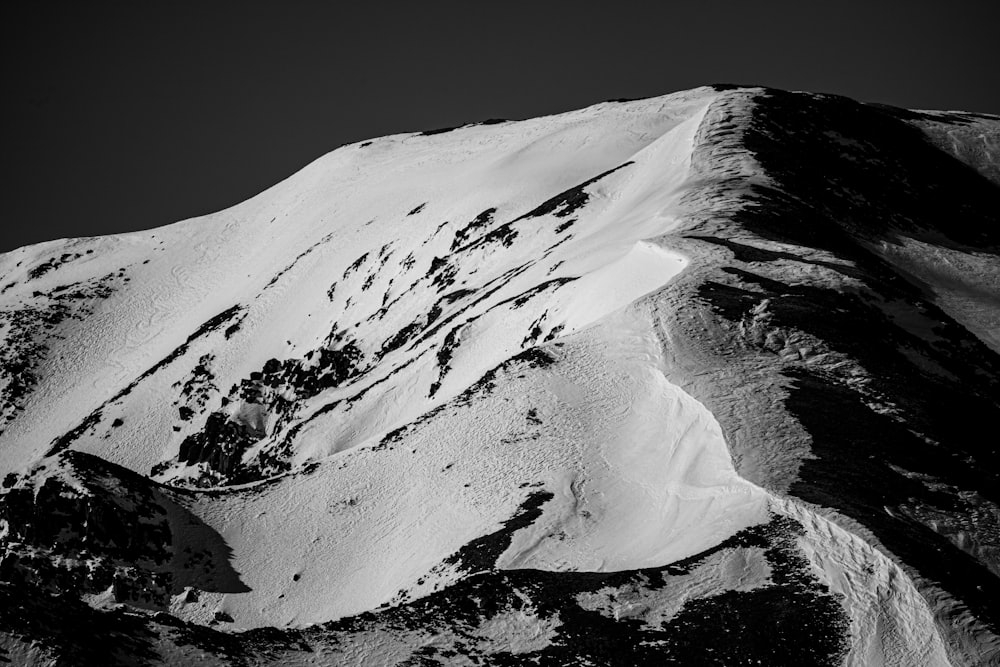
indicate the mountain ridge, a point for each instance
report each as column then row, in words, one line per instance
column 627, row 307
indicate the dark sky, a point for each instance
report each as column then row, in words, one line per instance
column 124, row 116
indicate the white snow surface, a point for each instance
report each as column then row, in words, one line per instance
column 640, row 470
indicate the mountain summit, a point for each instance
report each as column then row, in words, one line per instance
column 707, row 378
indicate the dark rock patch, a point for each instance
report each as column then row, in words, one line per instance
column 565, row 203
column 355, row 265
column 440, row 130
column 298, row 258
column 52, row 264
column 481, row 221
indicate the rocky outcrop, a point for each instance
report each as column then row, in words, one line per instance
column 81, row 525
column 85, row 526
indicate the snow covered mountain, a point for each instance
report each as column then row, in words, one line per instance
column 707, row 378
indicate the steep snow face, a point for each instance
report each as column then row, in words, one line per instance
column 274, row 326
column 654, row 482
column 645, row 382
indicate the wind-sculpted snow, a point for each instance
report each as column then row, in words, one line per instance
column 668, row 381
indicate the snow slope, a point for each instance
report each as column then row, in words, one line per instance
column 550, row 368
